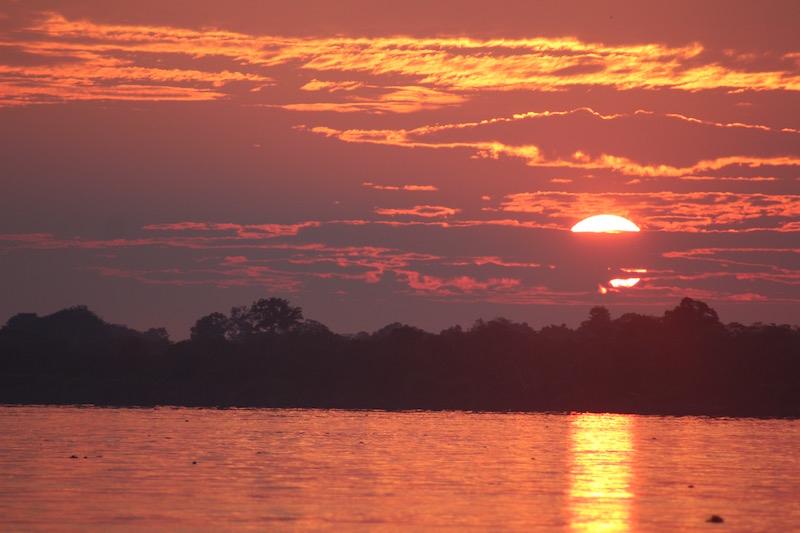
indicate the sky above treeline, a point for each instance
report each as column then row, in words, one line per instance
column 414, row 161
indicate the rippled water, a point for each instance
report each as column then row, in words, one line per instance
column 68, row 468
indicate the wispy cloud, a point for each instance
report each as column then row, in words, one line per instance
column 482, row 140
column 416, row 188
column 666, row 210
column 293, row 258
column 743, row 264
column 427, row 284
column 425, row 211
column 244, row 231
column 85, row 59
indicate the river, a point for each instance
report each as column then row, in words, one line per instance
column 177, row 469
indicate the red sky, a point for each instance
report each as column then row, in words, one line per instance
column 420, row 162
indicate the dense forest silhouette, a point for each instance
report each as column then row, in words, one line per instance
column 268, row 355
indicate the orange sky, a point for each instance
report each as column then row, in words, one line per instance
column 415, row 163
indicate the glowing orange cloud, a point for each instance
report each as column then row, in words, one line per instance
column 494, row 260
column 668, row 211
column 86, row 59
column 331, row 86
column 407, row 99
column 420, row 188
column 427, row 211
column 431, row 137
column 461, row 284
column 400, row 188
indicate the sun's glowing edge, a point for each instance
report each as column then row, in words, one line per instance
column 605, row 224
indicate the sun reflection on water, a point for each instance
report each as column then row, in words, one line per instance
column 600, row 477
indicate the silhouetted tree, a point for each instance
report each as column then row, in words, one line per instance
column 599, row 318
column 75, row 323
column 684, row 362
column 264, row 318
column 274, row 315
column 452, row 332
column 561, row 334
column 22, row 323
column 156, row 335
column 311, row 328
column 597, row 326
column 240, row 327
column 388, row 329
column 212, row 327
column 691, row 314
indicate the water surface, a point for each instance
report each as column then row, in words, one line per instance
column 78, row 469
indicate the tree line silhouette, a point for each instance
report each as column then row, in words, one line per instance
column 268, row 355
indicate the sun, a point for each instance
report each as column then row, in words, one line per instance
column 604, row 224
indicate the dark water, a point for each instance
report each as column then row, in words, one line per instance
column 78, row 469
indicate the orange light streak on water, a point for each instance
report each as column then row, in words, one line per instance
column 600, row 472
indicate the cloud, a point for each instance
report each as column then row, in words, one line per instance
column 556, row 139
column 82, row 59
column 434, row 285
column 388, row 99
column 296, row 259
column 227, row 275
column 743, row 264
column 415, row 188
column 244, row 231
column 495, row 260
column 426, row 211
column 666, row 210
column 420, row 188
column 331, row 86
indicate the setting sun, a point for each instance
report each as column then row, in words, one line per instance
column 604, row 224
column 624, row 283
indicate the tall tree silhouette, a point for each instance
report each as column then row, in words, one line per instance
column 264, row 318
column 598, row 324
column 691, row 314
column 212, row 327
column 274, row 315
